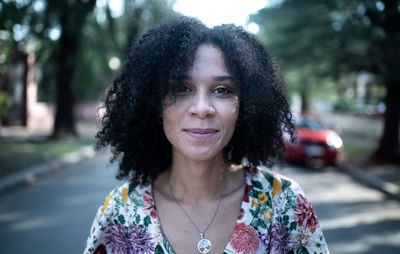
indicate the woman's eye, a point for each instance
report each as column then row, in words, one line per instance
column 222, row 91
column 181, row 89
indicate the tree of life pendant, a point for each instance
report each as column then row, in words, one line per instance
column 204, row 245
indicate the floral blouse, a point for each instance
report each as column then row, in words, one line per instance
column 275, row 217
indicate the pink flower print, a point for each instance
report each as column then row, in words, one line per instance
column 304, row 214
column 241, row 214
column 301, row 239
column 148, row 204
column 245, row 239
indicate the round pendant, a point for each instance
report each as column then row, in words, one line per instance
column 204, row 245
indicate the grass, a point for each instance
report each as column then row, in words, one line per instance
column 354, row 152
column 17, row 156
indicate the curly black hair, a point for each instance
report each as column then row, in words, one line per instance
column 131, row 123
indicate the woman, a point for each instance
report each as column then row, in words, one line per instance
column 192, row 115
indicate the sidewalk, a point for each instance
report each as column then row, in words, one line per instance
column 364, row 131
column 380, row 177
column 86, row 130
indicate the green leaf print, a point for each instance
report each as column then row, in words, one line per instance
column 132, row 186
column 263, row 224
column 137, row 219
column 255, row 223
column 167, row 246
column 285, row 219
column 269, row 177
column 159, row 250
column 269, row 201
column 301, row 250
column 147, row 221
column 121, row 219
column 139, row 202
column 253, row 193
column 256, row 184
column 285, row 184
column 117, row 204
column 293, row 226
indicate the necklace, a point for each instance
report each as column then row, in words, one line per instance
column 203, row 245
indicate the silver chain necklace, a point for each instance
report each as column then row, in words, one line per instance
column 203, row 245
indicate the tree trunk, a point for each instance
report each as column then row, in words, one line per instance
column 72, row 19
column 64, row 125
column 388, row 149
column 305, row 105
column 134, row 23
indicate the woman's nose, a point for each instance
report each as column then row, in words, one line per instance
column 202, row 106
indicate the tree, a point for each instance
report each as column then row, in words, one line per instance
column 293, row 40
column 72, row 16
column 118, row 35
column 68, row 71
column 118, row 31
column 336, row 38
column 28, row 23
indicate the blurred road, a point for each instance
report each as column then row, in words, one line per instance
column 354, row 218
column 54, row 214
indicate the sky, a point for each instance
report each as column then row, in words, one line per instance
column 210, row 12
column 216, row 12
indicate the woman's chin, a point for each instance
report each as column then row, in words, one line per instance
column 203, row 154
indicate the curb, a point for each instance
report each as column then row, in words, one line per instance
column 30, row 174
column 388, row 188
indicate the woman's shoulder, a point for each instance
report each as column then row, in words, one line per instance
column 126, row 194
column 130, row 189
column 266, row 180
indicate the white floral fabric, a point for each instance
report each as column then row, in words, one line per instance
column 275, row 217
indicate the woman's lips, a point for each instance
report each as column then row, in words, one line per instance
column 201, row 134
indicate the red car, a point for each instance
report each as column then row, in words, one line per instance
column 316, row 143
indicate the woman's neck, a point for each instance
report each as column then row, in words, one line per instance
column 201, row 181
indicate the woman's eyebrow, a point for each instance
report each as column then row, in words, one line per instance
column 216, row 78
column 224, row 78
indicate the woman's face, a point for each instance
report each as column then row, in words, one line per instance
column 200, row 123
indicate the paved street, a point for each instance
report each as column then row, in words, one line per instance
column 54, row 214
column 354, row 218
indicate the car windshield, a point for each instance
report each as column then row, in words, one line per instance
column 305, row 122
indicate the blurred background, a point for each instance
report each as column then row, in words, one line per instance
column 338, row 58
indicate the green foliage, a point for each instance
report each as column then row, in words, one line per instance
column 328, row 40
column 117, row 34
column 355, row 152
column 101, row 40
column 3, row 104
